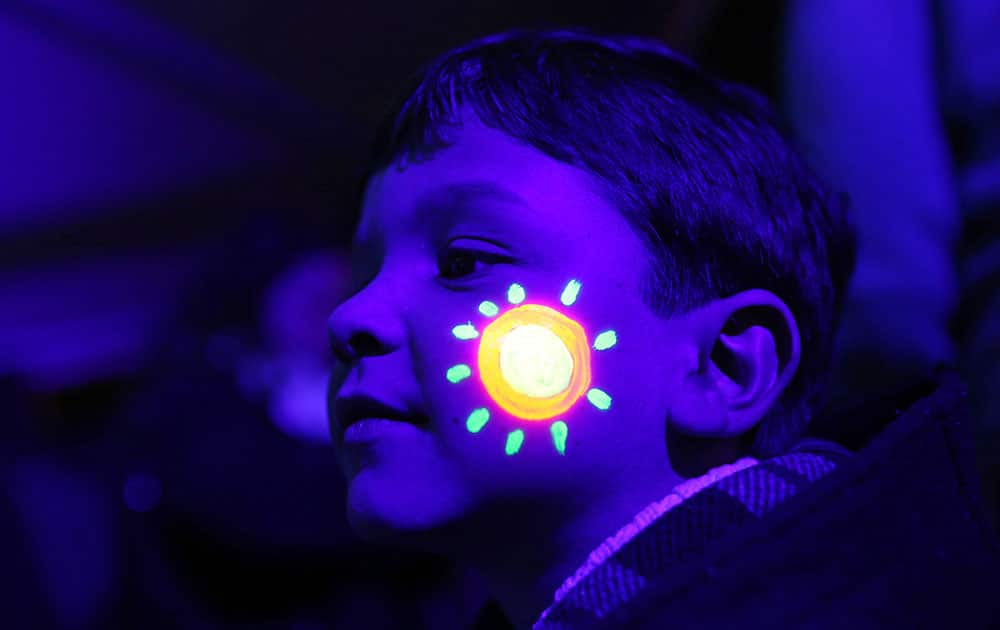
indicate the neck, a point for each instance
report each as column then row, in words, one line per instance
column 525, row 567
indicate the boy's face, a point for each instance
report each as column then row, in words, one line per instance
column 435, row 241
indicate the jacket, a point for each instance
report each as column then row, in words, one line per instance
column 872, row 521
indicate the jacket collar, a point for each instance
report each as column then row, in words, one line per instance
column 678, row 525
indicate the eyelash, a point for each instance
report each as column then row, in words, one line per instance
column 475, row 255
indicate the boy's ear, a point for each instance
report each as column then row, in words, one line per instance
column 747, row 350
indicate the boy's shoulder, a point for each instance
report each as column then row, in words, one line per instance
column 894, row 537
column 892, row 534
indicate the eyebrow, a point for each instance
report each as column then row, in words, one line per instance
column 459, row 195
column 439, row 204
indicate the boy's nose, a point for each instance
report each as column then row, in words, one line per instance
column 358, row 331
column 359, row 344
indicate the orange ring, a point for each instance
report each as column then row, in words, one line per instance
column 521, row 405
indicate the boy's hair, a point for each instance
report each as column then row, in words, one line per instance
column 697, row 166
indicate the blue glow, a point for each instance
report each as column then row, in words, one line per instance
column 559, row 433
column 599, row 398
column 570, row 293
column 465, row 331
column 605, row 340
column 477, row 420
column 515, row 294
column 458, row 373
column 489, row 309
column 514, row 441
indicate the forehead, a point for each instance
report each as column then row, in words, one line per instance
column 487, row 177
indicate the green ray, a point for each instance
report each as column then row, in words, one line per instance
column 599, row 398
column 570, row 292
column 514, row 441
column 489, row 309
column 605, row 340
column 465, row 331
column 559, row 432
column 458, row 373
column 515, row 294
column 477, row 419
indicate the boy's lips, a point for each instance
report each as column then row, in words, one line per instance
column 368, row 429
column 365, row 416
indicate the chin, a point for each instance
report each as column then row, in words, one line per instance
column 402, row 514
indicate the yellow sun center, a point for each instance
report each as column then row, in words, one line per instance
column 534, row 361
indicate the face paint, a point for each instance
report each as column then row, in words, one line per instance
column 534, row 363
column 458, row 373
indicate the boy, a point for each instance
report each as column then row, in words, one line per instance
column 594, row 286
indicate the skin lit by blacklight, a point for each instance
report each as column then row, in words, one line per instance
column 436, row 241
column 447, row 247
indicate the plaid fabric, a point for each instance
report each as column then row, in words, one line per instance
column 680, row 525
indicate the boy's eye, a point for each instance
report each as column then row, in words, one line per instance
column 458, row 263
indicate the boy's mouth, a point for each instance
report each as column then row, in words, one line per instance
column 355, row 408
column 369, row 429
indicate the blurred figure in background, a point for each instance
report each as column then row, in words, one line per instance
column 899, row 105
column 297, row 360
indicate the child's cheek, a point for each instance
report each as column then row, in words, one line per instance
column 515, row 371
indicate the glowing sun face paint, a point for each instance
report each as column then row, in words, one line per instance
column 534, row 363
